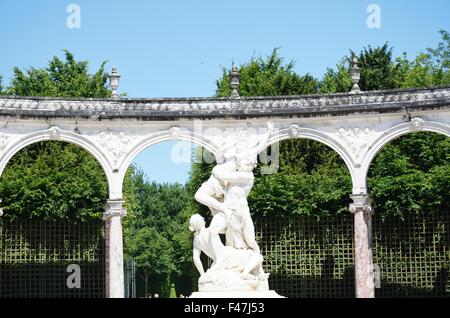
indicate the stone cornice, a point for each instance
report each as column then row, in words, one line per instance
column 170, row 108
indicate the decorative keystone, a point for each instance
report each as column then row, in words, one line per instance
column 416, row 124
column 175, row 132
column 295, row 130
column 55, row 132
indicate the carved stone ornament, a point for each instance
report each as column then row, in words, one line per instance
column 356, row 139
column 175, row 132
column 232, row 142
column 4, row 139
column 416, row 124
column 55, row 132
column 115, row 143
column 295, row 130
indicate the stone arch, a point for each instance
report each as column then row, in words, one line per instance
column 57, row 134
column 397, row 131
column 172, row 134
column 312, row 134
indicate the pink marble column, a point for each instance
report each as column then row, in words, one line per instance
column 114, row 212
column 364, row 274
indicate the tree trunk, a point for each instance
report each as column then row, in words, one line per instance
column 146, row 286
column 145, row 278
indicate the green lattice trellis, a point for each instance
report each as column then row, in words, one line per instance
column 413, row 256
column 34, row 256
column 314, row 258
column 307, row 257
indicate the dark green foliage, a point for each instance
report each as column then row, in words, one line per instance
column 377, row 70
column 380, row 71
column 158, row 237
column 67, row 78
column 268, row 77
column 410, row 176
column 53, row 180
column 312, row 179
column 337, row 81
column 440, row 56
column 318, row 194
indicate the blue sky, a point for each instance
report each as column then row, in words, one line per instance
column 177, row 48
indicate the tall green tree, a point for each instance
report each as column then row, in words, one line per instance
column 377, row 68
column 429, row 68
column 153, row 254
column 303, row 163
column 54, row 180
column 338, row 80
column 1, row 85
column 268, row 76
column 65, row 78
column 312, row 179
column 378, row 71
column 159, row 226
column 416, row 162
column 410, row 176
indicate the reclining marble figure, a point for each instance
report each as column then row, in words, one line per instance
column 232, row 269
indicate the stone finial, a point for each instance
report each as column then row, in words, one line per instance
column 355, row 73
column 114, row 81
column 234, row 80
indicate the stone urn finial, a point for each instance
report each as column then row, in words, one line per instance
column 234, row 81
column 355, row 73
column 114, row 81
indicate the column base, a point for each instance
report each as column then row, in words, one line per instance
column 237, row 294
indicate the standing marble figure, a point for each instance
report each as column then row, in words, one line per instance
column 236, row 269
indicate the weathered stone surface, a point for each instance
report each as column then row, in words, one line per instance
column 166, row 108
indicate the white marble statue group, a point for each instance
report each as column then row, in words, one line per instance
column 237, row 264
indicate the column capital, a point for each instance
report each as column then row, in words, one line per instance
column 362, row 202
column 114, row 208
